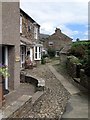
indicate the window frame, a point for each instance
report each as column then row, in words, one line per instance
column 37, row 53
column 20, row 23
column 35, row 32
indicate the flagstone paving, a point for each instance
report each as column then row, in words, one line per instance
column 53, row 102
column 58, row 95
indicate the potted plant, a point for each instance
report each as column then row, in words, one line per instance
column 3, row 74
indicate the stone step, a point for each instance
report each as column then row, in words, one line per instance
column 36, row 96
column 15, row 106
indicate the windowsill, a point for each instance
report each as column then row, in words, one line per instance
column 37, row 59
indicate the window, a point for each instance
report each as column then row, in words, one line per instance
column 29, row 28
column 35, row 32
column 50, row 43
column 20, row 24
column 37, row 53
column 23, row 54
column 57, row 53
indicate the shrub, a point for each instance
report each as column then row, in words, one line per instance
column 43, row 60
column 78, row 51
column 51, row 53
column 45, row 55
column 73, row 59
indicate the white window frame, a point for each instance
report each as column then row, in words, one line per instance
column 22, row 54
column 50, row 43
column 20, row 24
column 38, row 53
column 36, row 32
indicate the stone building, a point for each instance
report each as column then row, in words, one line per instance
column 19, row 37
column 56, row 41
column 10, row 44
column 29, row 38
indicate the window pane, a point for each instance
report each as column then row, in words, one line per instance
column 35, row 55
column 39, row 49
column 35, row 49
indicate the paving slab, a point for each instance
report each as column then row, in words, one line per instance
column 71, row 88
column 77, row 106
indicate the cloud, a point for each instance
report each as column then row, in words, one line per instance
column 68, row 31
column 63, row 13
column 47, row 28
column 86, row 33
column 58, row 14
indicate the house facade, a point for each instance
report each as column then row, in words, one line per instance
column 29, row 38
column 10, row 44
column 56, row 41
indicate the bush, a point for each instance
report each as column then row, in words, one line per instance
column 43, row 60
column 45, row 55
column 51, row 53
column 73, row 59
column 78, row 51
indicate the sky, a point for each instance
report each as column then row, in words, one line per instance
column 70, row 16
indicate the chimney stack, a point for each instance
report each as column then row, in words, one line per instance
column 58, row 30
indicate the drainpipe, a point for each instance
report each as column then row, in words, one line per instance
column 6, row 63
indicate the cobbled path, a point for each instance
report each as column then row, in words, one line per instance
column 52, row 103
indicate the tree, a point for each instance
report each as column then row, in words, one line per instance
column 77, row 39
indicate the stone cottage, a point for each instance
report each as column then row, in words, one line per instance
column 56, row 41
column 10, row 44
column 29, row 38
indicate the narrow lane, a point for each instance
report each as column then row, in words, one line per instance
column 77, row 106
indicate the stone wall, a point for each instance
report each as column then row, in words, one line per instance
column 75, row 71
column 84, row 79
column 27, row 21
column 63, row 58
column 71, row 68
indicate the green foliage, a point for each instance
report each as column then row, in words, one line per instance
column 51, row 52
column 4, row 71
column 77, row 39
column 43, row 60
column 85, row 43
column 73, row 59
column 45, row 55
column 79, row 49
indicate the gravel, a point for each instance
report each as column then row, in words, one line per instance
column 52, row 103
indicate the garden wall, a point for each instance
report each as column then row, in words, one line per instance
column 75, row 71
column 73, row 67
column 84, row 79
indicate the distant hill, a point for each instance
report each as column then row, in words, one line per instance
column 43, row 36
